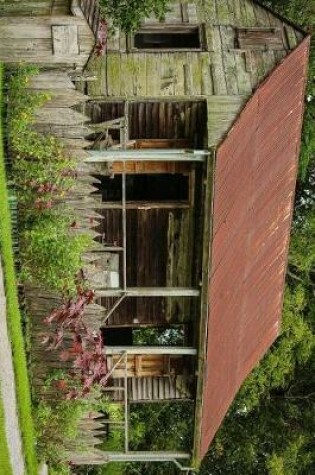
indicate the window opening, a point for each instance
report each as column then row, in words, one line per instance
column 259, row 38
column 167, row 38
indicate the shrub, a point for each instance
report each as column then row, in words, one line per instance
column 56, row 424
column 86, row 350
column 42, row 173
column 51, row 255
column 128, row 14
column 40, row 184
column 42, row 169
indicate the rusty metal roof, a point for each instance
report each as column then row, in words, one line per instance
column 255, row 176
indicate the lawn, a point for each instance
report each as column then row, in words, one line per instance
column 15, row 330
column 5, row 466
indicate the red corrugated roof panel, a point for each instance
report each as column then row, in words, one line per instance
column 255, row 175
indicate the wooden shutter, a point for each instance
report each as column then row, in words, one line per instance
column 260, row 38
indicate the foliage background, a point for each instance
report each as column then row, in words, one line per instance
column 128, row 14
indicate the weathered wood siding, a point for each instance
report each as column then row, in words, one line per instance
column 242, row 43
column 91, row 11
column 159, row 254
column 161, row 259
column 149, row 121
column 49, row 41
column 153, row 388
column 34, row 7
column 178, row 13
column 58, row 118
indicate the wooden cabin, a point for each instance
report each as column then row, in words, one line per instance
column 197, row 123
column 189, row 174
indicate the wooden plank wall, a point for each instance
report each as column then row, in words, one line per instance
column 228, row 67
column 159, row 246
column 168, row 120
column 176, row 14
column 34, row 7
column 157, row 120
column 104, row 111
column 151, row 388
column 58, row 118
column 239, row 65
column 91, row 432
column 57, row 112
column 29, row 39
column 91, row 11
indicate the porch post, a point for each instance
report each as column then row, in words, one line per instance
column 98, row 457
column 157, row 155
column 147, row 292
column 150, row 350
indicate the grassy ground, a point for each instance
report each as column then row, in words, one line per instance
column 5, row 466
column 15, row 330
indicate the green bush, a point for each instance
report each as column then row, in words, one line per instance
column 42, row 173
column 129, row 14
column 42, row 169
column 51, row 254
column 56, row 424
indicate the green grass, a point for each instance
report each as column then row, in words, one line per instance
column 14, row 328
column 5, row 466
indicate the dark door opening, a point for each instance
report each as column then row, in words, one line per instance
column 173, row 335
column 117, row 336
column 153, row 124
column 156, row 187
column 184, row 122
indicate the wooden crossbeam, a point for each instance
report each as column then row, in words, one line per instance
column 150, row 350
column 98, row 457
column 157, row 155
column 148, row 292
column 148, row 456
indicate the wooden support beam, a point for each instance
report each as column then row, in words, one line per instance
column 98, row 457
column 157, row 155
column 143, row 205
column 124, row 229
column 148, row 292
column 112, row 310
column 150, row 350
column 108, row 375
column 126, row 421
column 148, row 456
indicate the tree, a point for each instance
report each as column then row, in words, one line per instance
column 129, row 14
